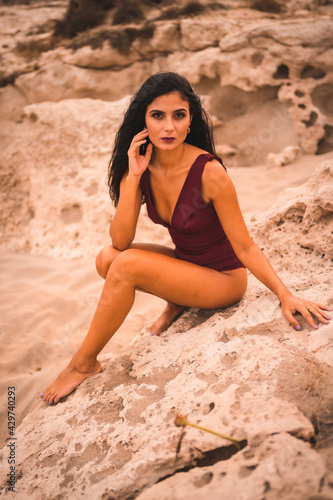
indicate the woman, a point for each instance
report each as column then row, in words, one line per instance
column 188, row 191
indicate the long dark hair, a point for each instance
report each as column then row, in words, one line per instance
column 201, row 134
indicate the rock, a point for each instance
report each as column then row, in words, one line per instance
column 122, row 440
column 166, row 39
column 288, row 33
column 226, row 151
column 129, row 438
column 265, row 94
column 54, row 196
column 198, row 35
column 246, row 475
column 58, row 80
column 105, row 57
column 269, row 53
column 287, row 155
column 56, row 184
column 308, row 210
column 269, row 79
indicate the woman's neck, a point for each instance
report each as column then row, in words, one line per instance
column 166, row 160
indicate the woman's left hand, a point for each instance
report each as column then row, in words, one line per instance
column 290, row 305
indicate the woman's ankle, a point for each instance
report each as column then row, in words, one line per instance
column 83, row 364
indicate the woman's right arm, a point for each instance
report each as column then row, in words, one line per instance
column 123, row 225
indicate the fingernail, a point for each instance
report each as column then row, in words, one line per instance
column 316, row 326
column 41, row 393
column 329, row 317
column 152, row 333
column 297, row 327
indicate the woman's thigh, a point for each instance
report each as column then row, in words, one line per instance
column 178, row 281
column 107, row 255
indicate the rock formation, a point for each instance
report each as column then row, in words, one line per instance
column 53, row 179
column 270, row 74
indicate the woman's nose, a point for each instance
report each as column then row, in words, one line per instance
column 168, row 125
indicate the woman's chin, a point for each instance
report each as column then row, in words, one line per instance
column 171, row 146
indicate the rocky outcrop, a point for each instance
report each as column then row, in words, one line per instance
column 53, row 179
column 267, row 81
column 242, row 371
column 310, row 210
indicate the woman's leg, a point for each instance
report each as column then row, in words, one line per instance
column 105, row 258
column 107, row 255
column 174, row 280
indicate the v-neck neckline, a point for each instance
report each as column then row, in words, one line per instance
column 180, row 194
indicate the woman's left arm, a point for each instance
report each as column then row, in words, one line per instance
column 219, row 189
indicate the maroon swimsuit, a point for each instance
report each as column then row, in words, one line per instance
column 195, row 227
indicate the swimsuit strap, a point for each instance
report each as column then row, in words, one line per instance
column 193, row 179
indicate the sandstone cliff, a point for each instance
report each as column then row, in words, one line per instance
column 267, row 77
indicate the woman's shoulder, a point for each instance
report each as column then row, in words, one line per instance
column 214, row 166
column 193, row 152
column 215, row 174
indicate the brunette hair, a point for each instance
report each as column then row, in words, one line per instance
column 201, row 133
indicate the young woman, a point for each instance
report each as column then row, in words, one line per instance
column 188, row 191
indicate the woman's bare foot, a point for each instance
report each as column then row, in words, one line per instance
column 72, row 376
column 170, row 313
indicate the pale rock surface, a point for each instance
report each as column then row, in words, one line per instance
column 288, row 33
column 255, row 473
column 166, row 39
column 105, row 57
column 59, row 196
column 271, row 55
column 260, row 83
column 54, row 194
column 288, row 155
column 309, row 209
column 55, row 80
column 198, row 35
column 269, row 75
column 242, row 371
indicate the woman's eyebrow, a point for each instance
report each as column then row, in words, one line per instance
column 163, row 112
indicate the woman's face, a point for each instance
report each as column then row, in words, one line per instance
column 167, row 120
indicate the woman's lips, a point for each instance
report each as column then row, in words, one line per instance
column 168, row 139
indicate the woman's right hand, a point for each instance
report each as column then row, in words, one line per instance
column 138, row 163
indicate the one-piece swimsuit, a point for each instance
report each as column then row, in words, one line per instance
column 195, row 228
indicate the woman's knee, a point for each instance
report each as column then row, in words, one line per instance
column 104, row 260
column 127, row 265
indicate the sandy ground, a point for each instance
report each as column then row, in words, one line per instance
column 46, row 305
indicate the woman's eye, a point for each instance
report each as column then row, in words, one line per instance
column 157, row 115
column 179, row 116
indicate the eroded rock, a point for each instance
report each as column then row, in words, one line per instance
column 54, row 193
column 224, row 57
